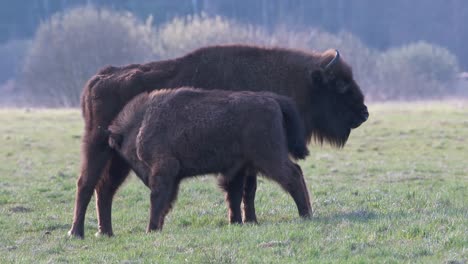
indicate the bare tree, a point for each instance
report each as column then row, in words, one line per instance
column 71, row 46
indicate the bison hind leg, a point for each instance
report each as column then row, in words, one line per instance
column 289, row 176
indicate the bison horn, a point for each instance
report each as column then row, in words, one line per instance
column 333, row 61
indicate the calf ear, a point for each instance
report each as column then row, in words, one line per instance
column 115, row 141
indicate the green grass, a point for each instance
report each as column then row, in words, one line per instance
column 396, row 193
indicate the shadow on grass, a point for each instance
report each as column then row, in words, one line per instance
column 333, row 218
column 353, row 216
column 359, row 216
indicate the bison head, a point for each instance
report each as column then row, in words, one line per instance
column 337, row 101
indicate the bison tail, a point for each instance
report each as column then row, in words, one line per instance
column 295, row 131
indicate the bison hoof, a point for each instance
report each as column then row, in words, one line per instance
column 74, row 234
column 153, row 230
column 235, row 221
column 251, row 221
column 103, row 234
column 307, row 216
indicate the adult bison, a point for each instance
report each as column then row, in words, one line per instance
column 322, row 85
column 169, row 135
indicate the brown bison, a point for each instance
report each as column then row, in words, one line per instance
column 169, row 135
column 329, row 101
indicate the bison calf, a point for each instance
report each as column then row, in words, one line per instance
column 169, row 135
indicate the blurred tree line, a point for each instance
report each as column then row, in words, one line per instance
column 72, row 39
column 380, row 24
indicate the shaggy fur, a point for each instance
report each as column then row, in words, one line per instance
column 170, row 135
column 329, row 101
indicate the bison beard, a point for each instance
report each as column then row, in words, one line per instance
column 170, row 135
column 322, row 85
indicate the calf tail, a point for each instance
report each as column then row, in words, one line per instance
column 295, row 131
column 115, row 140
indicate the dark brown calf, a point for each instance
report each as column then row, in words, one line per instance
column 169, row 135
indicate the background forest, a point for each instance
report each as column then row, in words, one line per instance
column 398, row 49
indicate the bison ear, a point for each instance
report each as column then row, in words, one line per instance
column 318, row 77
column 327, row 62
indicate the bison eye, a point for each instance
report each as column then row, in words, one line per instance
column 342, row 87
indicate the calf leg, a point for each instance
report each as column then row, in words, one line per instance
column 292, row 180
column 159, row 198
column 163, row 184
column 95, row 156
column 172, row 198
column 298, row 170
column 233, row 194
column 248, row 197
column 112, row 178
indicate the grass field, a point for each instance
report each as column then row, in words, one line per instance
column 398, row 192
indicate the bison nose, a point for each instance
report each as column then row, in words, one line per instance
column 365, row 114
column 360, row 117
